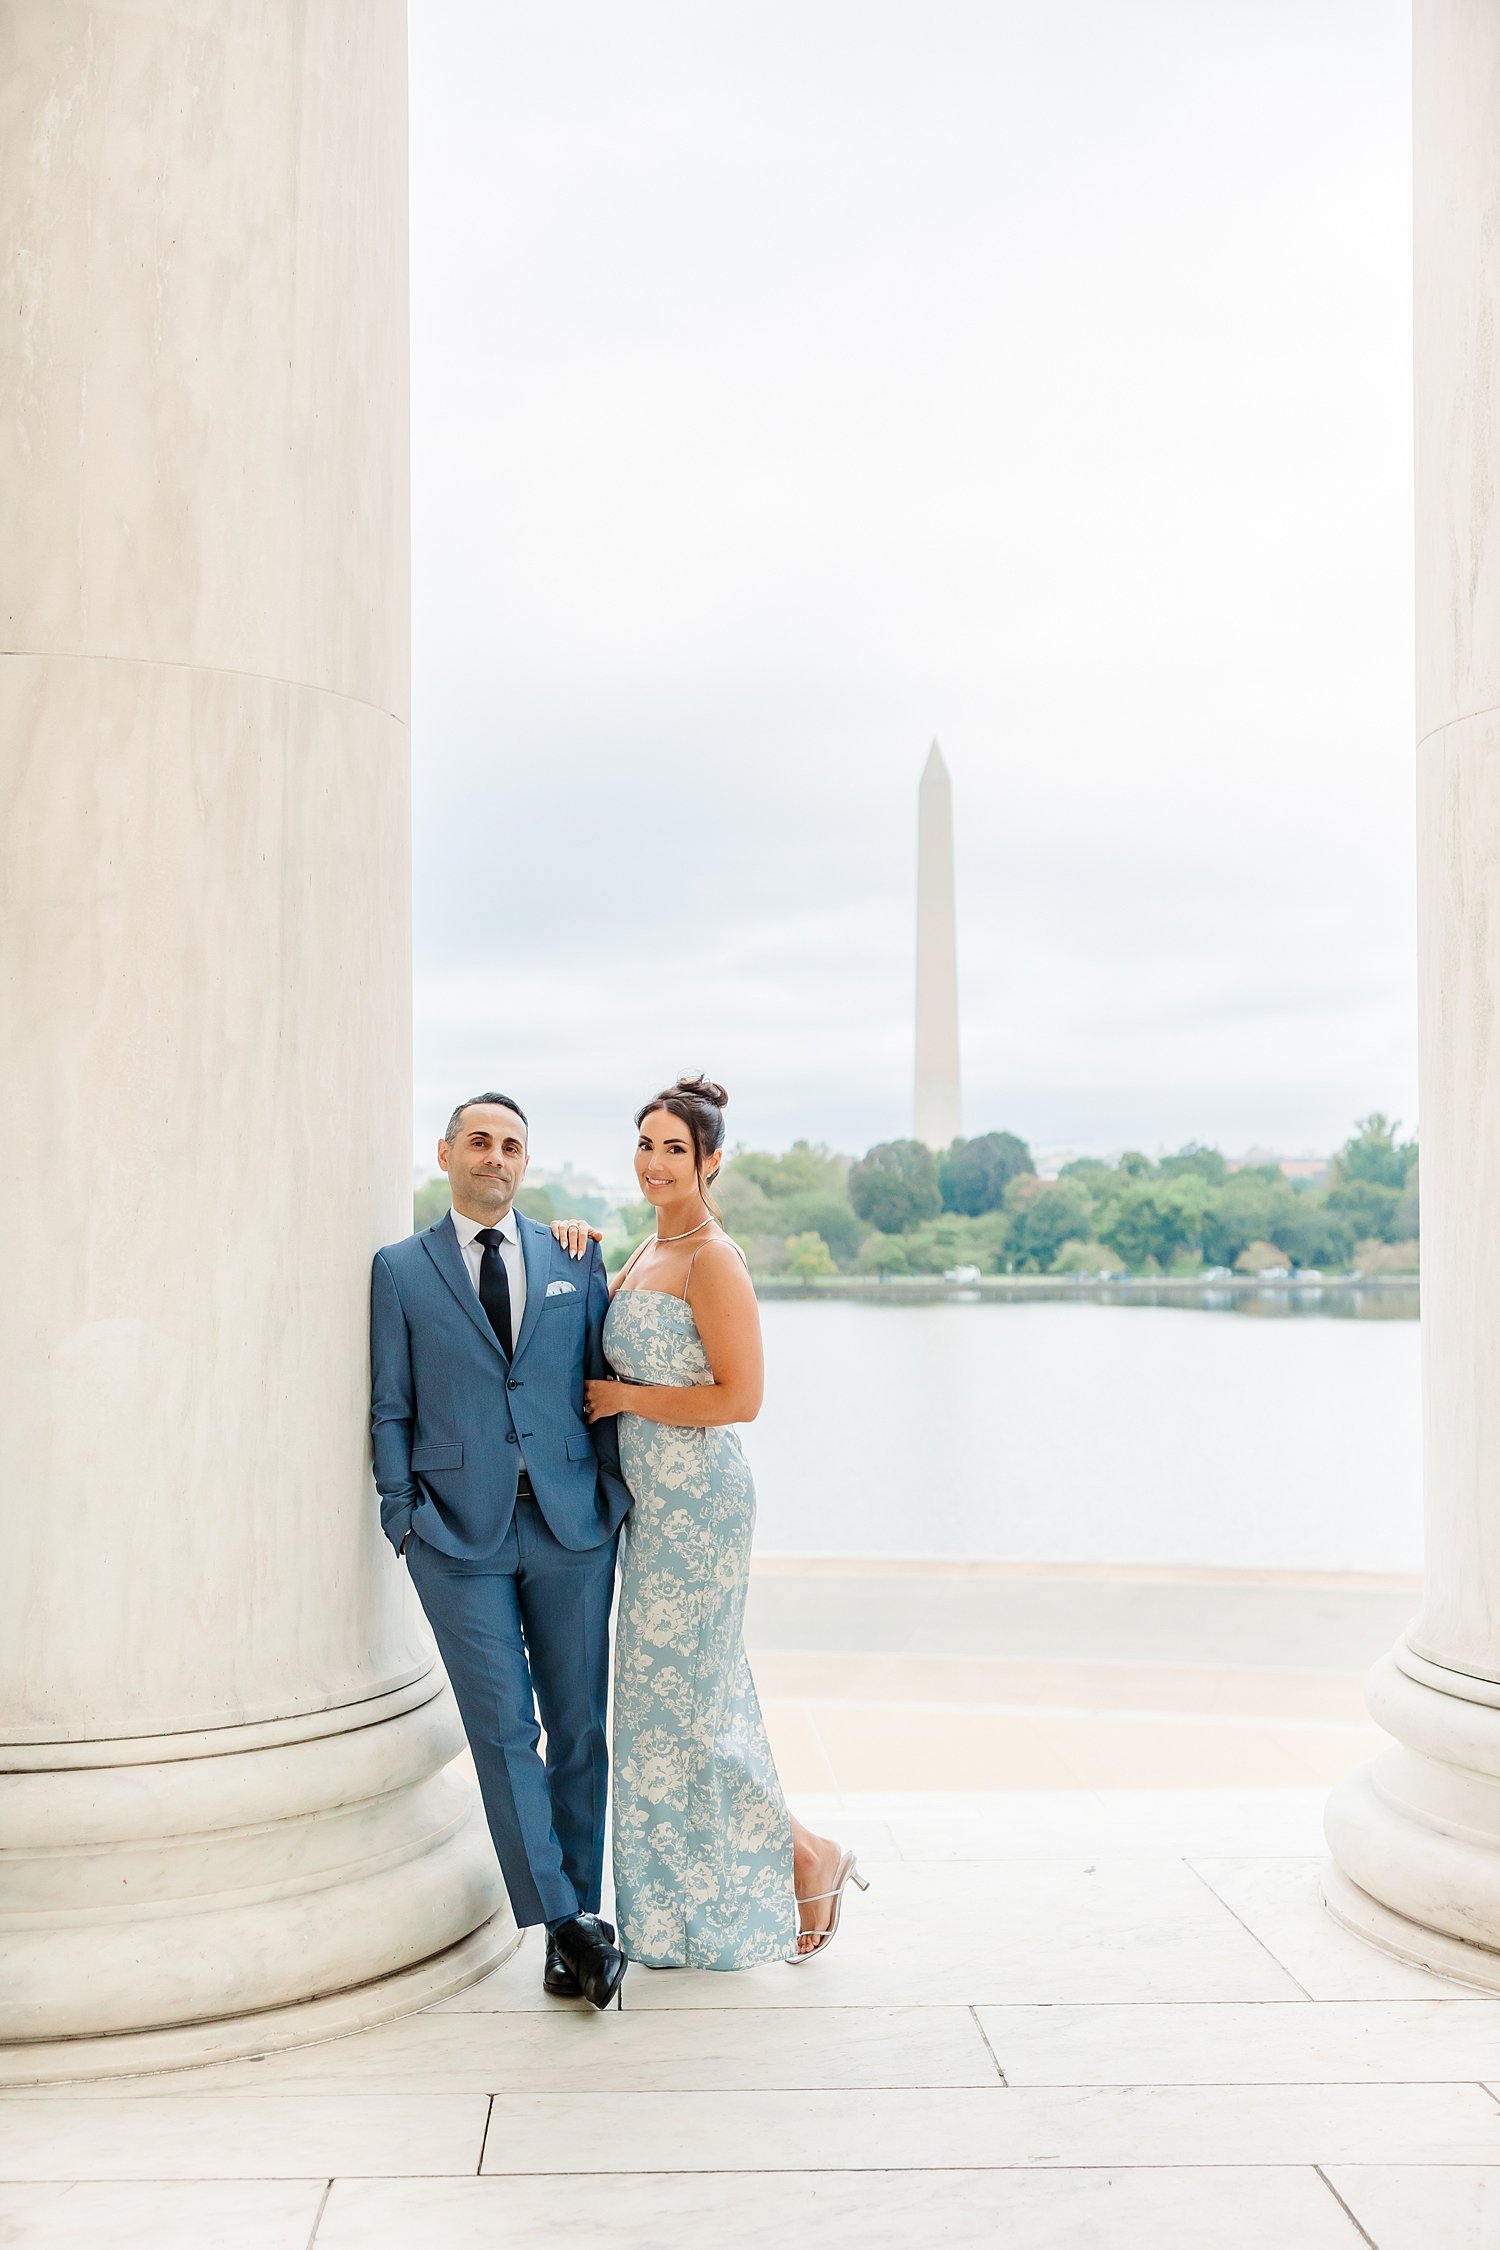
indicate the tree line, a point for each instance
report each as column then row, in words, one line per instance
column 901, row 1208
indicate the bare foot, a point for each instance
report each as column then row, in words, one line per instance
column 815, row 1863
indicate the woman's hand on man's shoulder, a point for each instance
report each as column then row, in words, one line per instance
column 575, row 1235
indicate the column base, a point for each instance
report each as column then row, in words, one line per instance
column 1415, row 1835
column 188, row 1896
column 55, row 2062
column 1365, row 1917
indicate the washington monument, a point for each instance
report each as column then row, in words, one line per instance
column 939, row 1112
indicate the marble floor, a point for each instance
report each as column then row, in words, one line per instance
column 1059, row 2018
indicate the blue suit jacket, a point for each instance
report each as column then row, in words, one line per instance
column 451, row 1415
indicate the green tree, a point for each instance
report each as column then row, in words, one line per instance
column 974, row 1175
column 1388, row 1257
column 952, row 1240
column 1044, row 1214
column 1088, row 1258
column 1373, row 1153
column 1208, row 1163
column 804, row 1168
column 592, row 1209
column 1313, row 1235
column 1249, row 1207
column 765, row 1198
column 1161, row 1219
column 536, row 1203
column 1374, row 1185
column 808, row 1257
column 989, row 1240
column 948, row 1240
column 1092, row 1170
column 750, row 1167
column 895, row 1186
column 1406, row 1219
column 1367, row 1206
column 883, row 1253
column 1261, row 1257
column 831, row 1216
column 747, row 1208
column 637, row 1220
column 429, row 1203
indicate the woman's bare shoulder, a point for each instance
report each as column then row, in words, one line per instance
column 721, row 1264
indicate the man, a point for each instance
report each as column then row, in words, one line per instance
column 507, row 1507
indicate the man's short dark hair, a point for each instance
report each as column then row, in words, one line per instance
column 493, row 1101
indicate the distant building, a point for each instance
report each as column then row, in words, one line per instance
column 1311, row 1171
column 569, row 1179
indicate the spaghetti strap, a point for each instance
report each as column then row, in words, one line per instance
column 630, row 1261
column 693, row 1260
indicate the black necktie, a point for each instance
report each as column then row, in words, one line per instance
column 494, row 1286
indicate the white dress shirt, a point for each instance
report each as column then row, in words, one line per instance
column 511, row 1257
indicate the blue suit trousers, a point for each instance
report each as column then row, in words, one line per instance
column 525, row 1633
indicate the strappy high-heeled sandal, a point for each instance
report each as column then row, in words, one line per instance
column 847, row 1872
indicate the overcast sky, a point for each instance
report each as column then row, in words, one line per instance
column 796, row 382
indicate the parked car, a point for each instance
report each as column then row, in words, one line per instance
column 962, row 1273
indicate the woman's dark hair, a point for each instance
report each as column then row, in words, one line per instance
column 698, row 1104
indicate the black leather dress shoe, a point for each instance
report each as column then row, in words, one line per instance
column 558, row 1978
column 596, row 1962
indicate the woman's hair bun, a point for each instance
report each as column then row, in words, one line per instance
column 699, row 1104
column 704, row 1090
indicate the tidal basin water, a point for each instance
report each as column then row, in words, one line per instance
column 1086, row 1432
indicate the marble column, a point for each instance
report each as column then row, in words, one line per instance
column 938, row 1106
column 1416, row 1835
column 227, row 1812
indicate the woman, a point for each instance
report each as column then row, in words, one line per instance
column 711, row 1871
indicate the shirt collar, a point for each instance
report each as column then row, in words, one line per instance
column 466, row 1228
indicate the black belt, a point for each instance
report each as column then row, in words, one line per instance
column 523, row 1487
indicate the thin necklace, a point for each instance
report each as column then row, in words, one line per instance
column 698, row 1229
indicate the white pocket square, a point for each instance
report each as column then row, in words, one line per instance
column 561, row 1289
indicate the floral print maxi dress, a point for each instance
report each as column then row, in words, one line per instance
column 702, row 1837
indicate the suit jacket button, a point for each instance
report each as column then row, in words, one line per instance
column 511, row 1384
column 510, row 1437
